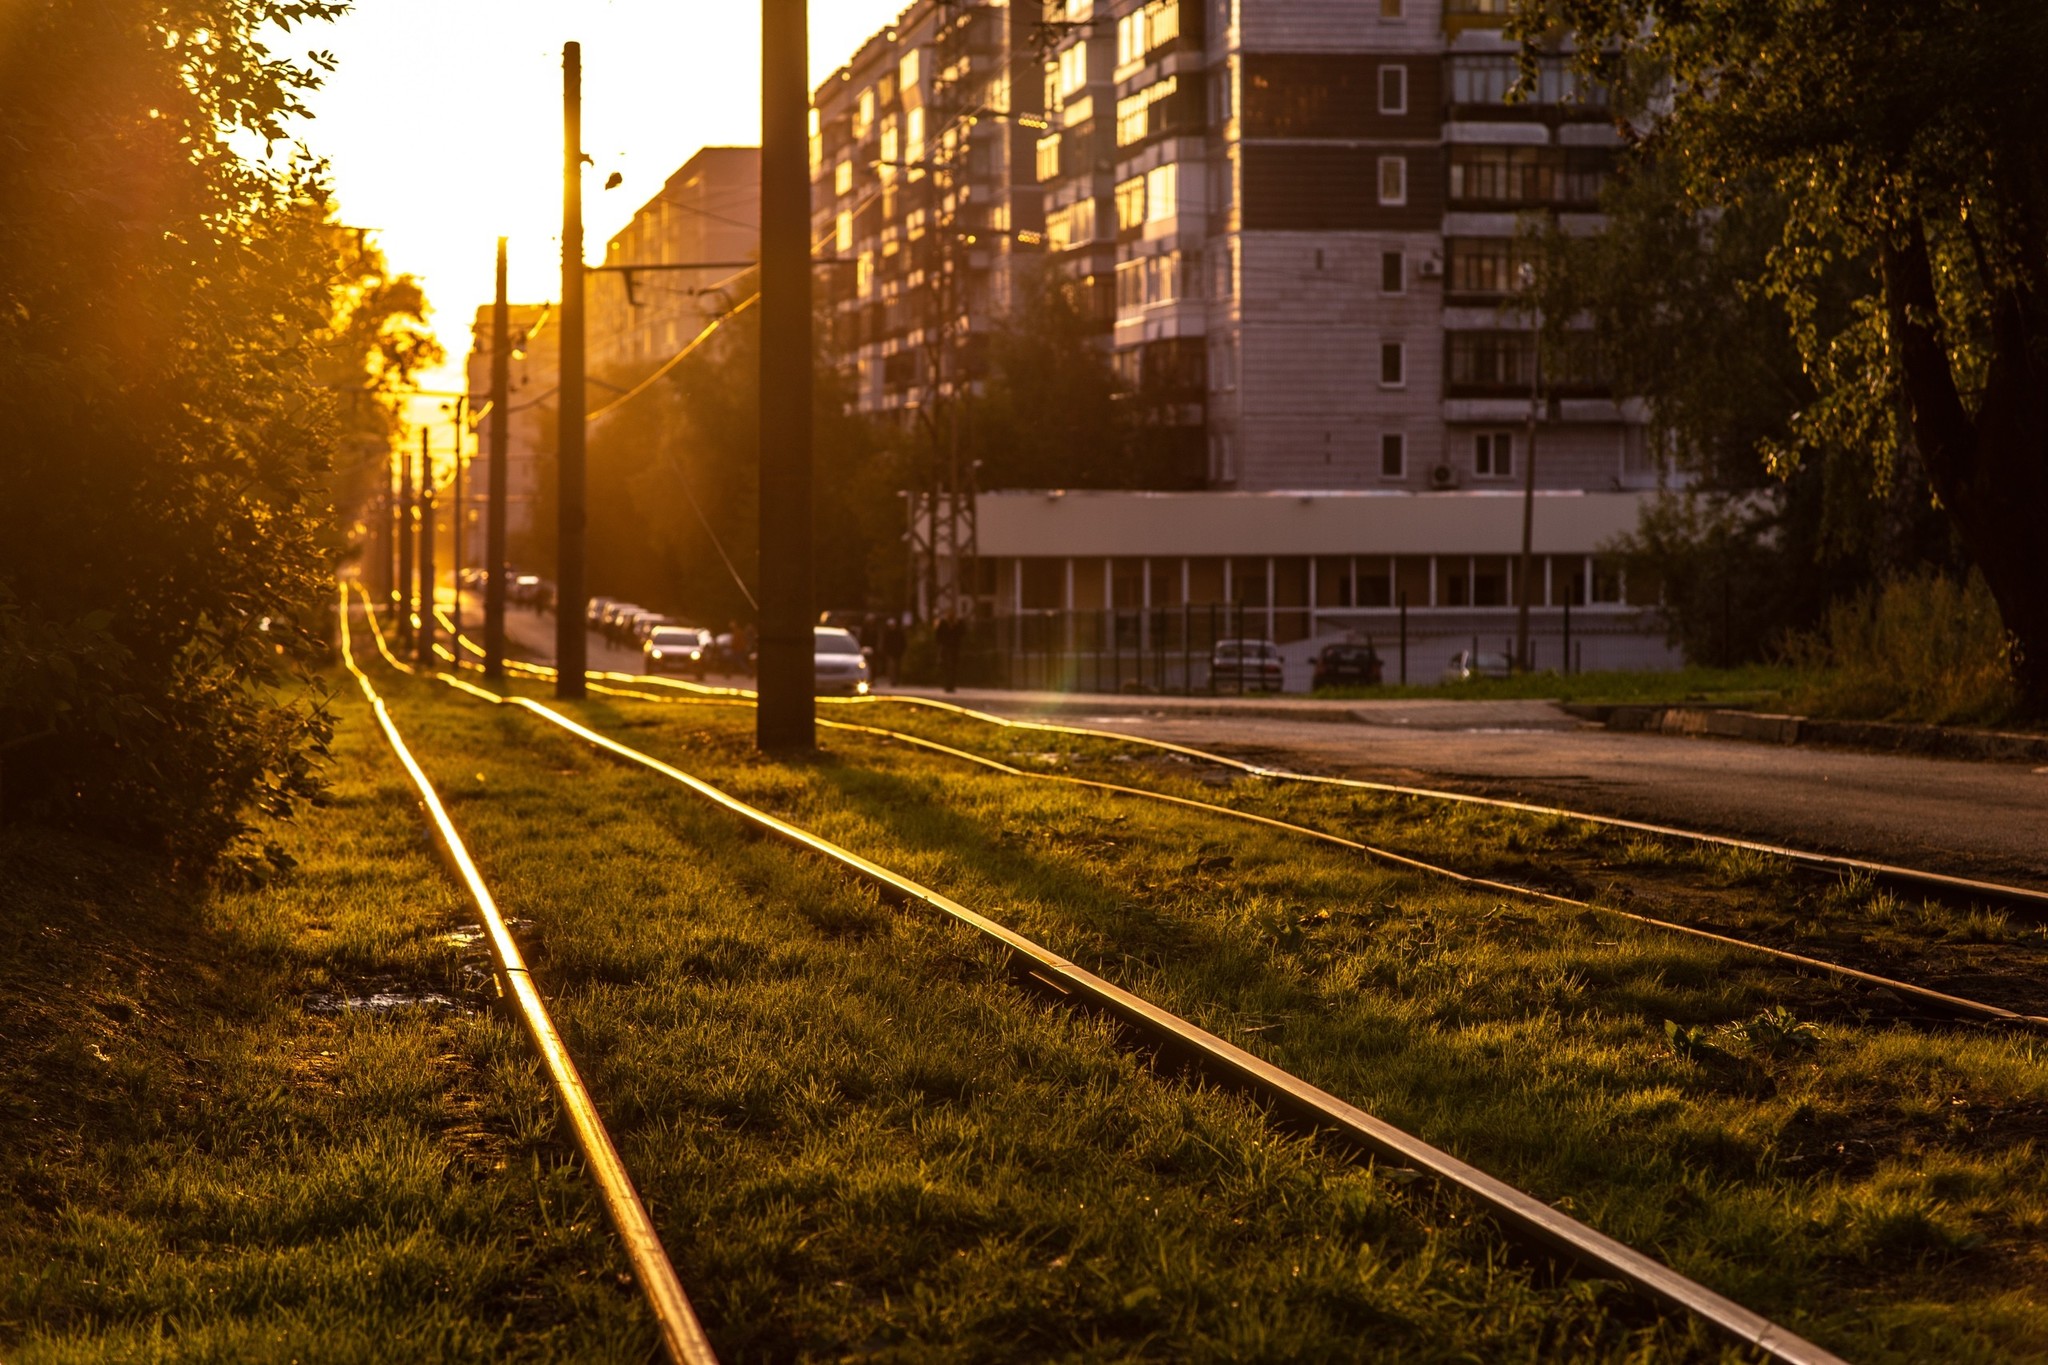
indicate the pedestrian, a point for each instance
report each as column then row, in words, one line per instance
column 948, row 633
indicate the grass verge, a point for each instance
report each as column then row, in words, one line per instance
column 214, row 1150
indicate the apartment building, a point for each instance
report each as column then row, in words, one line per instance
column 1299, row 224
column 708, row 211
column 925, row 196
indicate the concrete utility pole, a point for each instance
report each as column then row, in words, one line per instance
column 461, row 406
column 570, row 598
column 401, row 592
column 425, row 652
column 494, row 516
column 1524, row 570
column 785, row 717
column 394, row 533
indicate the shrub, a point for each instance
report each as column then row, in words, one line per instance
column 1920, row 648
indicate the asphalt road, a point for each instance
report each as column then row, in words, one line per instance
column 1980, row 819
column 1975, row 819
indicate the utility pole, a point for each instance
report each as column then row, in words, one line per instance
column 570, row 600
column 494, row 515
column 1524, row 571
column 785, row 718
column 425, row 652
column 401, row 592
column 393, row 533
column 461, row 514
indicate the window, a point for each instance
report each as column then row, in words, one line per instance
column 913, row 135
column 1493, row 455
column 1394, row 180
column 1142, row 31
column 1528, row 175
column 864, row 114
column 842, row 235
column 1162, row 192
column 1073, row 70
column 1490, row 360
column 1390, row 9
column 1486, row 265
column 1393, row 272
column 1049, row 158
column 1393, row 456
column 1223, row 361
column 1225, row 285
column 1393, row 364
column 906, row 70
column 1130, row 204
column 1135, row 119
column 864, row 274
column 890, row 146
column 1487, row 79
column 1150, row 280
column 842, row 178
column 1393, row 90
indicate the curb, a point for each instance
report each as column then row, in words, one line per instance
column 1875, row 736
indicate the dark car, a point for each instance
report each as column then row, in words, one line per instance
column 1348, row 665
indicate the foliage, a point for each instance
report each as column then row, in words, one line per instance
column 166, row 312
column 672, row 488
column 1903, row 138
column 1922, row 648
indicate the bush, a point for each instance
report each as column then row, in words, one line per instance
column 165, row 526
column 1920, row 648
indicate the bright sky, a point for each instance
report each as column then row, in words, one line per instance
column 443, row 123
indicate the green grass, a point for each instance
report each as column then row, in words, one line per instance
column 198, row 1167
column 1880, row 1190
column 1755, row 686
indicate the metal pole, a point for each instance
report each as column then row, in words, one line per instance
column 1567, row 635
column 425, row 652
column 494, row 515
column 461, row 512
column 394, row 530
column 1404, row 637
column 570, row 639
column 403, row 592
column 785, row 715
column 1522, row 571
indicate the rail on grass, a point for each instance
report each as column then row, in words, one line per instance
column 1520, row 1212
column 1955, row 1005
column 681, row 1333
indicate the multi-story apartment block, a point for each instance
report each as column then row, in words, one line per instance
column 710, row 211
column 1301, row 223
column 924, row 192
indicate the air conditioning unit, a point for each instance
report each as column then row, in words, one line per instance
column 1443, row 476
column 1430, row 268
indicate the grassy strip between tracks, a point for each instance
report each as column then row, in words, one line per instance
column 1877, row 1186
column 218, row 1143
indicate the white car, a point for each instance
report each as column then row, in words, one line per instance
column 677, row 649
column 839, row 663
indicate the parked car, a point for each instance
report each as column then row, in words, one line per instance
column 616, row 618
column 1348, row 665
column 840, row 666
column 677, row 649
column 593, row 610
column 1466, row 664
column 645, row 623
column 1247, row 664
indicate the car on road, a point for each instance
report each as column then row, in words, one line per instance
column 1247, row 665
column 1467, row 664
column 838, row 662
column 677, row 649
column 593, row 611
column 1348, row 665
column 644, row 624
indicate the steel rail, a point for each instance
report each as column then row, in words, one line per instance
column 2033, row 897
column 681, row 1333
column 1957, row 1005
column 1518, row 1211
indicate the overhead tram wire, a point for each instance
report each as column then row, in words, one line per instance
column 1523, row 1214
column 681, row 1333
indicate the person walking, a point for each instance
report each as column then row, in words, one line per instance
column 889, row 648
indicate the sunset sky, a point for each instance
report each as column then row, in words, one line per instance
column 443, row 122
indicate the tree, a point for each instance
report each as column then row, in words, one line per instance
column 166, row 310
column 1906, row 135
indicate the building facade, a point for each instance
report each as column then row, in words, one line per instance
column 708, row 211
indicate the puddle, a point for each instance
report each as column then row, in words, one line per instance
column 464, row 936
column 377, row 1002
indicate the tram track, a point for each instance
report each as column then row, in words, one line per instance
column 1525, row 1217
column 1945, row 1003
